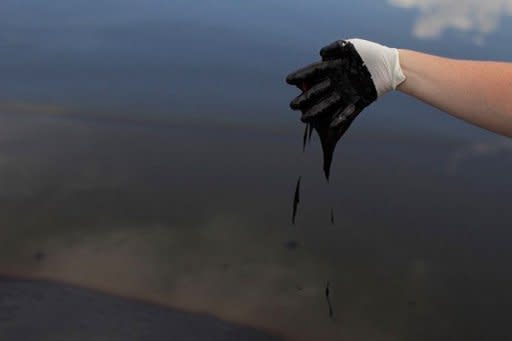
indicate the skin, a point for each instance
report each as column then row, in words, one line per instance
column 479, row 92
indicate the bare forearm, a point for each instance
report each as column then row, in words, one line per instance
column 476, row 91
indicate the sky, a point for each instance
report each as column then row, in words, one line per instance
column 224, row 61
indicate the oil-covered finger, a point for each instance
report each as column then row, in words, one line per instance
column 314, row 94
column 343, row 115
column 309, row 74
column 334, row 50
column 324, row 107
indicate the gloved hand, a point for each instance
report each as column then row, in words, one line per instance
column 353, row 73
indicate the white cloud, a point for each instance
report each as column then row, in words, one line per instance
column 473, row 16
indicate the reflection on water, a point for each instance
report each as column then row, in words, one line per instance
column 101, row 186
column 479, row 18
column 203, row 224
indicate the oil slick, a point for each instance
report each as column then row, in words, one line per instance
column 332, row 216
column 296, row 200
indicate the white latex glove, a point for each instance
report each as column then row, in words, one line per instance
column 383, row 63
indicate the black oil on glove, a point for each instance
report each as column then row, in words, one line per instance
column 335, row 91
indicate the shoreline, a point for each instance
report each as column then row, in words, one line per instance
column 23, row 298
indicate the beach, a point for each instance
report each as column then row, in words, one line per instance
column 42, row 310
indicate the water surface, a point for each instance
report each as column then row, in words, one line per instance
column 147, row 149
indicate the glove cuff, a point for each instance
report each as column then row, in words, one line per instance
column 382, row 62
column 397, row 74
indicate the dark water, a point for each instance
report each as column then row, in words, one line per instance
column 147, row 149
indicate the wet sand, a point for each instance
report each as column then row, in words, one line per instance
column 42, row 310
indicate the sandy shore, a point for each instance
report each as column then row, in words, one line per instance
column 41, row 310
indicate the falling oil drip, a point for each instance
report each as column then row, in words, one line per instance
column 305, row 138
column 327, row 150
column 328, row 299
column 329, row 137
column 330, row 129
column 296, row 200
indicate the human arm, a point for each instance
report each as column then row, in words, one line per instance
column 479, row 92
